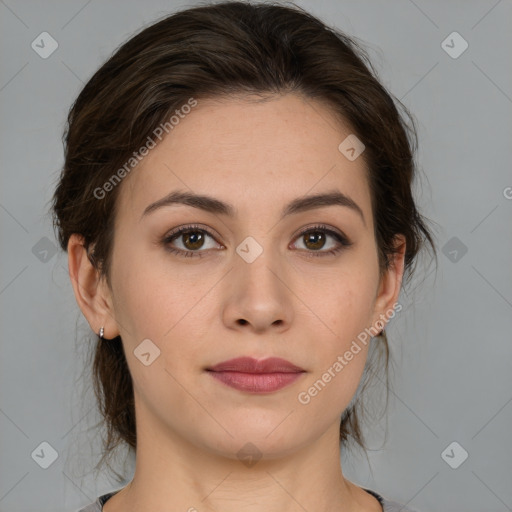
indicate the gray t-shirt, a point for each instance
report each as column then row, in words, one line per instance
column 387, row 505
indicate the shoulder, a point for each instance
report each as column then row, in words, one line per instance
column 97, row 506
column 93, row 507
column 393, row 506
column 390, row 505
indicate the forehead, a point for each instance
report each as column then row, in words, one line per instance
column 249, row 154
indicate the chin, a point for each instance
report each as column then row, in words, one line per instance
column 251, row 442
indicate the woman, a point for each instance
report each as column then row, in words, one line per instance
column 237, row 210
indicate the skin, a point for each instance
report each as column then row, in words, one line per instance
column 306, row 309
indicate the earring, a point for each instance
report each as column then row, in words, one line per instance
column 102, row 331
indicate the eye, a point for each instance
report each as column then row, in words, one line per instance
column 193, row 239
column 314, row 239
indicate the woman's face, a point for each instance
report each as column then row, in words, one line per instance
column 250, row 285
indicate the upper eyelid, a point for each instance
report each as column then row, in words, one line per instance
column 183, row 229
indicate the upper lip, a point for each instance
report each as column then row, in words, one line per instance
column 251, row 365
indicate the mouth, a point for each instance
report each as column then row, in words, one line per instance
column 251, row 375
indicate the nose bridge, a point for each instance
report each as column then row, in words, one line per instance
column 258, row 295
column 258, row 263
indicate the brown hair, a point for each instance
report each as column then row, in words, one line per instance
column 225, row 49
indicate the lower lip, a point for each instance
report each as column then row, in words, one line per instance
column 256, row 382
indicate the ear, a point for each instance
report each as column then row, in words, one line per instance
column 91, row 292
column 390, row 283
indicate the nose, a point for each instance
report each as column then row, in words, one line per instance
column 258, row 297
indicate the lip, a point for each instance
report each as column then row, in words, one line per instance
column 251, row 365
column 249, row 374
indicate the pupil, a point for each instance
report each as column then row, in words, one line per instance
column 195, row 239
column 319, row 240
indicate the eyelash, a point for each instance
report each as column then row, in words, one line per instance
column 343, row 241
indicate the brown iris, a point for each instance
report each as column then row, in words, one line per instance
column 195, row 238
column 316, row 238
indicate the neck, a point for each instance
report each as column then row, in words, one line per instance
column 172, row 473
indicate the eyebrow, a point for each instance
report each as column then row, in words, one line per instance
column 213, row 205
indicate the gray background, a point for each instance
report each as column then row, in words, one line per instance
column 451, row 344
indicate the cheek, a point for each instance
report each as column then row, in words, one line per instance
column 151, row 299
column 328, row 391
column 345, row 305
column 342, row 306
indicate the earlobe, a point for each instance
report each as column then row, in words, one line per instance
column 91, row 292
column 391, row 281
